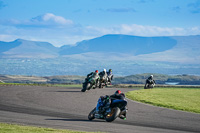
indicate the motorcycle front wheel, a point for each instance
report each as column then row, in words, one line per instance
column 84, row 88
column 113, row 114
column 91, row 114
column 88, row 86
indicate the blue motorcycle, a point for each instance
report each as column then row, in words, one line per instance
column 116, row 109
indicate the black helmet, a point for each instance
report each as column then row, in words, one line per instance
column 110, row 70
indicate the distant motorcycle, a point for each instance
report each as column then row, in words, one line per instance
column 149, row 84
column 110, row 78
column 102, row 83
column 88, row 84
column 116, row 109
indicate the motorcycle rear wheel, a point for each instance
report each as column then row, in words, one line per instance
column 113, row 114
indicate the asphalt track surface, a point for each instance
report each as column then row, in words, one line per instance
column 68, row 108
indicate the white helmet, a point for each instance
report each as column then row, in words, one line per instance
column 104, row 70
column 151, row 76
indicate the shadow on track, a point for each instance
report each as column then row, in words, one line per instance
column 85, row 120
column 69, row 91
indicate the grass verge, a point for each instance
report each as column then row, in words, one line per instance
column 185, row 99
column 13, row 128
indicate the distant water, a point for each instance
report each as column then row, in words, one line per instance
column 171, row 83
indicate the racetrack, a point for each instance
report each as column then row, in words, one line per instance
column 68, row 108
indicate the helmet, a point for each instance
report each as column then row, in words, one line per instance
column 104, row 70
column 151, row 76
column 118, row 92
column 110, row 70
column 96, row 71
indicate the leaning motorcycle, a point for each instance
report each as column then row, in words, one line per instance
column 103, row 82
column 117, row 109
column 149, row 85
column 110, row 78
column 88, row 84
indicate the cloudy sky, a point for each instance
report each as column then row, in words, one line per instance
column 63, row 22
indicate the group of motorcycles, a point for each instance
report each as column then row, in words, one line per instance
column 93, row 83
column 117, row 108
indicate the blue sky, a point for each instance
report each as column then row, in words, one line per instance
column 63, row 22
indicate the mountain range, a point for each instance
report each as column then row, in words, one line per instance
column 182, row 49
column 124, row 53
column 132, row 45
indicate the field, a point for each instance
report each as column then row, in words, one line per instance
column 13, row 128
column 185, row 99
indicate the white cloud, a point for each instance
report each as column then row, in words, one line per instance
column 50, row 18
column 45, row 20
column 141, row 30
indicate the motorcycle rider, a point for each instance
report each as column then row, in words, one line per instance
column 104, row 103
column 103, row 77
column 110, row 75
column 94, row 75
column 150, row 80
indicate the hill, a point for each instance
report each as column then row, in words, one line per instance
column 187, row 51
column 132, row 45
column 131, row 79
column 27, row 49
column 160, row 79
column 178, row 49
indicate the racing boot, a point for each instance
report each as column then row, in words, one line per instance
column 123, row 113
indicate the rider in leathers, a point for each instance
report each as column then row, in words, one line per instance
column 95, row 76
column 150, row 80
column 110, row 75
column 103, row 77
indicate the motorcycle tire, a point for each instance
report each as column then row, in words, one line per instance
column 84, row 88
column 88, row 86
column 113, row 114
column 145, row 87
column 91, row 114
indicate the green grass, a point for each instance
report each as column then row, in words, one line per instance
column 185, row 99
column 12, row 128
column 27, row 84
